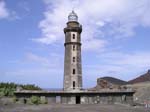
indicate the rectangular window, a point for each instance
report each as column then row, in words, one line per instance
column 73, row 59
column 78, row 59
column 73, row 72
column 74, row 84
column 73, row 47
column 73, row 36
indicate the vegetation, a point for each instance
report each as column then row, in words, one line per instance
column 43, row 100
column 35, row 100
column 30, row 87
column 14, row 99
column 7, row 89
column 38, row 100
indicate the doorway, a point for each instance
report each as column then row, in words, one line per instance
column 78, row 99
column 58, row 99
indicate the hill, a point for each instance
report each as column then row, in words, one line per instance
column 143, row 78
column 114, row 80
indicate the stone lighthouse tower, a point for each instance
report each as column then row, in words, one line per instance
column 72, row 63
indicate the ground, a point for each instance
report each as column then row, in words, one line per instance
column 71, row 108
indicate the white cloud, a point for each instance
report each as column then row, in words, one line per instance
column 100, row 19
column 35, row 58
column 53, row 61
column 94, row 44
column 125, row 66
column 4, row 13
column 122, row 65
column 135, row 59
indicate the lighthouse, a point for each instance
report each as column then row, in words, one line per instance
column 72, row 61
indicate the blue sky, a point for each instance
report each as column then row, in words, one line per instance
column 115, row 40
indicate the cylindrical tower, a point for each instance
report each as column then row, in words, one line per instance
column 72, row 63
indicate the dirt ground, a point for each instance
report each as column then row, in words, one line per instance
column 71, row 108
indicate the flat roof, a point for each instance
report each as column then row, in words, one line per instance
column 73, row 91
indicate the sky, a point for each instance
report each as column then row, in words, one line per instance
column 115, row 40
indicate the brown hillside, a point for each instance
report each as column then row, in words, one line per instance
column 143, row 78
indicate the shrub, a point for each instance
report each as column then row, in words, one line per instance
column 30, row 87
column 35, row 100
column 43, row 100
column 14, row 98
column 7, row 89
column 1, row 94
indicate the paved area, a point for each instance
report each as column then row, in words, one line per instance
column 71, row 108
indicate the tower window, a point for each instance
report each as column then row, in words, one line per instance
column 74, row 71
column 73, row 36
column 74, row 84
column 78, row 59
column 73, row 59
column 73, row 47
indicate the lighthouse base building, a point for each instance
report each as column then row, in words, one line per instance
column 72, row 93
